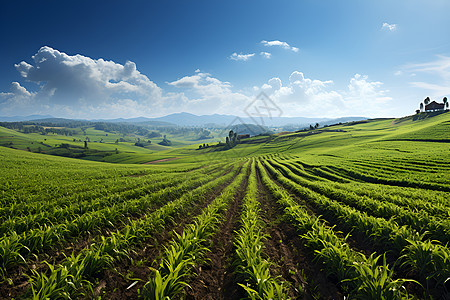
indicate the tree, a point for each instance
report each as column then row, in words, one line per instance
column 446, row 105
column 427, row 100
column 445, row 102
column 421, row 106
column 165, row 142
column 317, row 125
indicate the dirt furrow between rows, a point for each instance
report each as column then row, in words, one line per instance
column 134, row 272
column 295, row 262
column 215, row 279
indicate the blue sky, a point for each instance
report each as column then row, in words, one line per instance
column 150, row 58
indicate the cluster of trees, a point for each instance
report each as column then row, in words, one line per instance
column 153, row 134
column 232, row 139
column 122, row 128
column 204, row 146
column 311, row 127
column 25, row 127
column 204, row 134
column 165, row 142
column 140, row 143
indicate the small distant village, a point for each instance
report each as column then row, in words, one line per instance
column 431, row 106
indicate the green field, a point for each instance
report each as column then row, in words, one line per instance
column 356, row 211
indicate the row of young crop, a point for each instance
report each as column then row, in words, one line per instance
column 81, row 192
column 373, row 176
column 434, row 202
column 423, row 222
column 37, row 187
column 359, row 276
column 76, row 274
column 252, row 268
column 57, row 213
column 17, row 248
column 429, row 259
column 432, row 177
column 188, row 248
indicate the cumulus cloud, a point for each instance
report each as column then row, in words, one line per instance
column 313, row 97
column 281, row 44
column 18, row 96
column 65, row 83
column 243, row 57
column 389, row 27
column 66, row 79
column 210, row 95
column 77, row 86
column 266, row 55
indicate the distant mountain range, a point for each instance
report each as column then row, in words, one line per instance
column 24, row 118
column 188, row 119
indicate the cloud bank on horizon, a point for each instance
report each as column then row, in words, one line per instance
column 82, row 87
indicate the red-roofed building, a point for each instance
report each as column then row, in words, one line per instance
column 434, row 106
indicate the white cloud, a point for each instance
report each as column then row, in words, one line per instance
column 81, row 87
column 17, row 97
column 360, row 88
column 389, row 27
column 70, row 83
column 398, row 73
column 243, row 57
column 65, row 79
column 266, row 55
column 303, row 96
column 277, row 43
column 210, row 95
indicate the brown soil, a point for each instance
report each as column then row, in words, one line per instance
column 292, row 261
column 160, row 160
column 215, row 279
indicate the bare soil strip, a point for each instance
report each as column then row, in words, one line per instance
column 294, row 262
column 214, row 280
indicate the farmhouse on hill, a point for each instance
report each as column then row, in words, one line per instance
column 434, row 106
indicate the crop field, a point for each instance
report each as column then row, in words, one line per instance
column 355, row 211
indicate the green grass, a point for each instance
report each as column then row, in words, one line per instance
column 387, row 181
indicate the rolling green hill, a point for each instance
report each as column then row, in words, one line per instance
column 358, row 210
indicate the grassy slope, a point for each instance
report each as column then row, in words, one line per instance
column 381, row 139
